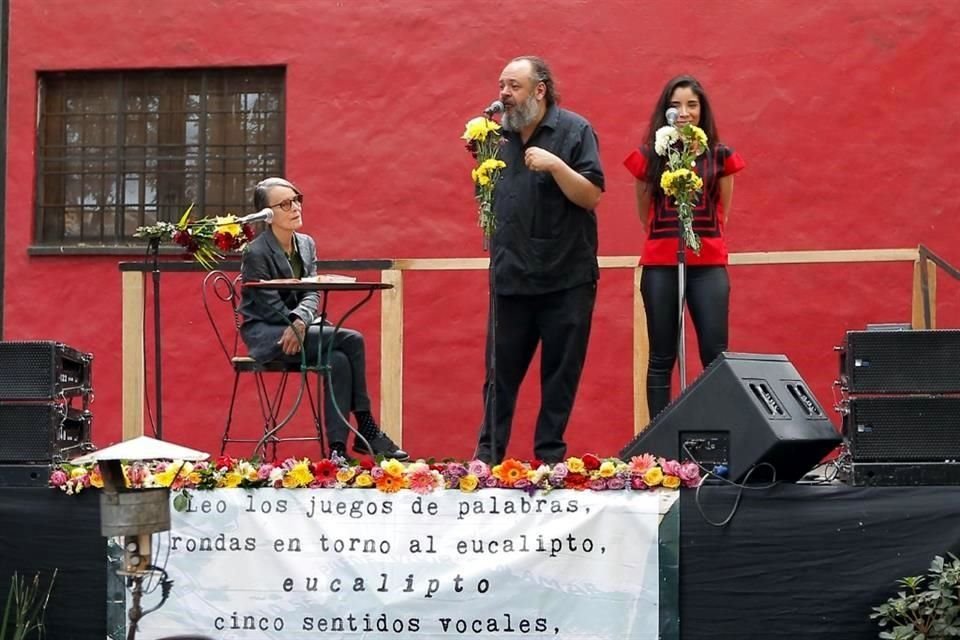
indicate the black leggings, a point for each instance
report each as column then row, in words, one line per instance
column 708, row 299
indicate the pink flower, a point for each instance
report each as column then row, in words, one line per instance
column 690, row 474
column 263, row 473
column 640, row 464
column 137, row 474
column 670, row 467
column 479, row 468
column 422, row 480
column 58, row 478
column 637, row 483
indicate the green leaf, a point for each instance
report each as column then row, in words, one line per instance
column 185, row 216
column 182, row 501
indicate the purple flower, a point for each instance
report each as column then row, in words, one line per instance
column 491, row 482
column 559, row 471
column 597, row 484
column 637, row 482
column 454, row 470
column 263, row 473
column 616, row 483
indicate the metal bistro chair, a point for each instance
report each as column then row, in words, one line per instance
column 218, row 287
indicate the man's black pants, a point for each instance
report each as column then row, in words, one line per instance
column 560, row 323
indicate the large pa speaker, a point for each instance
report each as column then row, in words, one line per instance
column 913, row 361
column 42, row 370
column 42, row 432
column 903, row 428
column 743, row 410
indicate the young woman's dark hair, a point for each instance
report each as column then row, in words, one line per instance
column 656, row 164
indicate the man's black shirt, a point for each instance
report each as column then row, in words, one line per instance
column 543, row 242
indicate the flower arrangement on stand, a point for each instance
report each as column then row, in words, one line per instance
column 483, row 139
column 588, row 472
column 681, row 146
column 205, row 239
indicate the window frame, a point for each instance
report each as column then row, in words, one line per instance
column 114, row 216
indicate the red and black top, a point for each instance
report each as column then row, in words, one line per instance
column 660, row 247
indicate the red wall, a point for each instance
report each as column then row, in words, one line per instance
column 844, row 112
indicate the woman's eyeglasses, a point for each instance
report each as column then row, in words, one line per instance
column 287, row 204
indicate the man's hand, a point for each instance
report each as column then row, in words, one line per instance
column 538, row 159
column 292, row 337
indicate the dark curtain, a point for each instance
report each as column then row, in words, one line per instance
column 796, row 561
column 806, row 561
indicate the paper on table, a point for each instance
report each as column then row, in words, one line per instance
column 329, row 277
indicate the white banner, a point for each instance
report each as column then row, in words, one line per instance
column 497, row 563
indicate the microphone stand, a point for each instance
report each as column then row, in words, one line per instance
column 491, row 400
column 490, row 397
column 153, row 249
column 681, row 302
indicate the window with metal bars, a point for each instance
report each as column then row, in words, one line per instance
column 122, row 149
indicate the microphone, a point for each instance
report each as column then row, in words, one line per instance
column 495, row 107
column 264, row 215
column 672, row 114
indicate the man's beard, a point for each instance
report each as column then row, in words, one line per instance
column 522, row 115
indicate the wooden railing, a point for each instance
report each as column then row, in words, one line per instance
column 392, row 307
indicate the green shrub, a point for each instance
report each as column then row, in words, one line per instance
column 25, row 608
column 928, row 607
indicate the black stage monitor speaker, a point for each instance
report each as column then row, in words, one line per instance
column 903, row 428
column 743, row 410
column 916, row 361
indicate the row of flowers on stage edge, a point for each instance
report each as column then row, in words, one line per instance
column 588, row 472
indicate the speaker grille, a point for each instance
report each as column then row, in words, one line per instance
column 32, row 432
column 42, row 371
column 912, row 361
column 903, row 429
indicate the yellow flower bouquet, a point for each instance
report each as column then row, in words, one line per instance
column 483, row 140
column 681, row 146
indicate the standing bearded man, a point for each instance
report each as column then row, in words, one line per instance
column 543, row 263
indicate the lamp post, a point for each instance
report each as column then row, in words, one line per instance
column 134, row 515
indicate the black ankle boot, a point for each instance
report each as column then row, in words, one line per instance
column 380, row 443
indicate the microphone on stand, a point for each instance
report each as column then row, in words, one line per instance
column 672, row 114
column 264, row 215
column 495, row 107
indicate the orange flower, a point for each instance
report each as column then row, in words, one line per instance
column 671, row 482
column 510, row 471
column 389, row 483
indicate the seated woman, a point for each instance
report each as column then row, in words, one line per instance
column 278, row 324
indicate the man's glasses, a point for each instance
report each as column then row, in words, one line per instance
column 287, row 204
